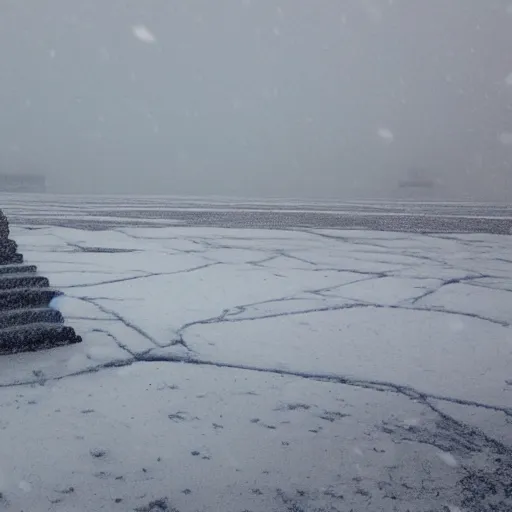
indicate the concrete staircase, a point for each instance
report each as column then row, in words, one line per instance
column 27, row 323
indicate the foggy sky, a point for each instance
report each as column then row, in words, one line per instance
column 290, row 98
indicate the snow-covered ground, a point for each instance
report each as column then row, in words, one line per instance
column 264, row 370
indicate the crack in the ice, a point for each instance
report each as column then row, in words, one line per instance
column 423, row 257
column 320, row 291
column 404, row 266
column 353, row 271
column 261, row 263
column 433, row 309
column 231, row 315
column 176, row 341
column 224, row 316
column 499, row 446
column 489, row 287
column 285, row 254
column 89, row 318
column 157, row 238
column 111, row 281
column 116, row 341
column 115, row 363
column 145, row 276
column 238, row 310
column 123, row 320
column 448, row 282
column 376, row 385
column 325, row 235
column 73, row 245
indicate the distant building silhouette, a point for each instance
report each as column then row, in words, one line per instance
column 416, row 184
column 419, row 184
column 35, row 183
column 417, row 178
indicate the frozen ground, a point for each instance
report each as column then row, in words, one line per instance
column 262, row 370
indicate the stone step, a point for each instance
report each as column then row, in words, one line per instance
column 10, row 258
column 16, row 317
column 8, row 249
column 4, row 227
column 12, row 281
column 13, row 260
column 17, row 269
column 26, row 321
column 16, row 258
column 38, row 336
column 22, row 298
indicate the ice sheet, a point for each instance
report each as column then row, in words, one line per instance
column 216, row 361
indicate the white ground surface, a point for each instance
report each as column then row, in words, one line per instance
column 253, row 370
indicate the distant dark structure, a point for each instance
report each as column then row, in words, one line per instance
column 418, row 185
column 32, row 183
column 417, row 178
column 27, row 322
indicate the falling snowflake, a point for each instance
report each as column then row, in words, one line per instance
column 448, row 459
column 142, row 33
column 506, row 138
column 508, row 80
column 386, row 134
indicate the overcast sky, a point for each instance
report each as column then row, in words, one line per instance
column 302, row 98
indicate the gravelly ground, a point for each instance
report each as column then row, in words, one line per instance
column 93, row 212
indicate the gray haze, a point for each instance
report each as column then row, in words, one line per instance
column 304, row 98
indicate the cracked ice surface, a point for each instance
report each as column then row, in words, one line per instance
column 226, row 369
